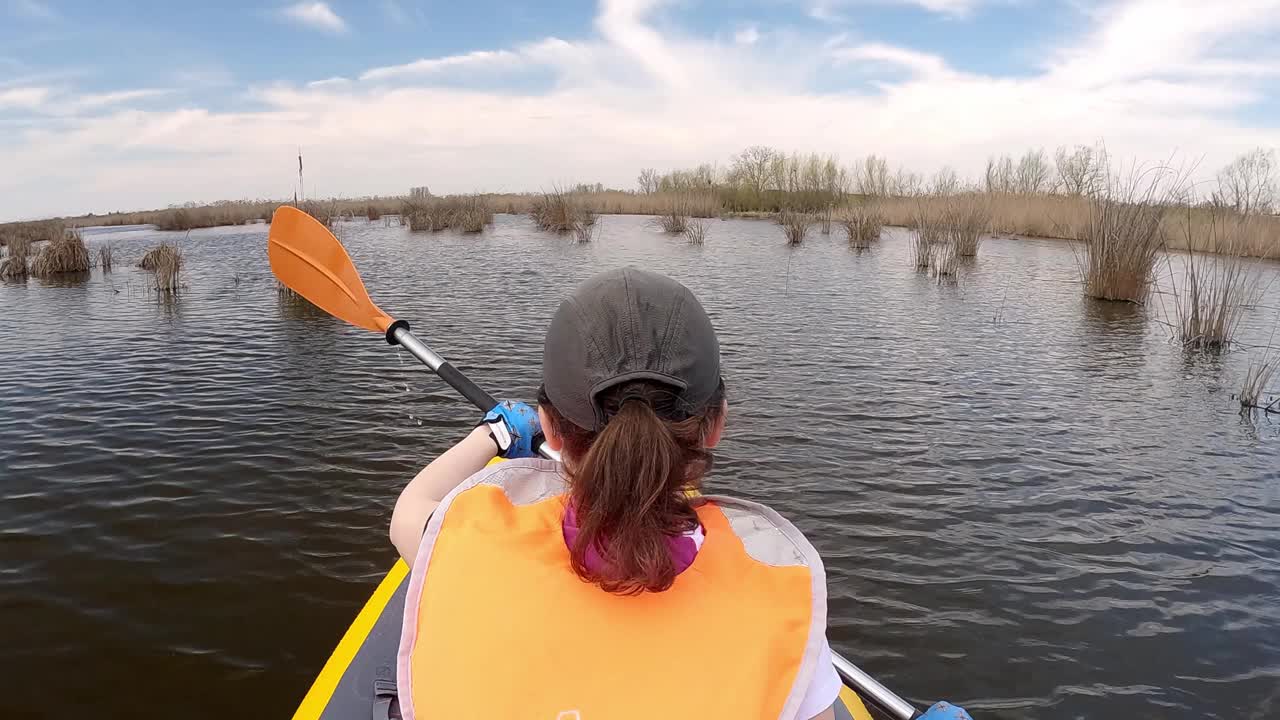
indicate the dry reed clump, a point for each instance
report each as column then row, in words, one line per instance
column 825, row 217
column 675, row 218
column 165, row 263
column 696, row 232
column 944, row 264
column 584, row 231
column 795, row 225
column 468, row 213
column 862, row 224
column 327, row 212
column 105, row 255
column 67, row 254
column 432, row 215
column 968, row 218
column 471, row 213
column 14, row 264
column 928, row 223
column 373, row 213
column 1123, row 235
column 1214, row 290
column 1256, row 379
column 559, row 211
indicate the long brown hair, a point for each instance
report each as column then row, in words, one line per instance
column 628, row 482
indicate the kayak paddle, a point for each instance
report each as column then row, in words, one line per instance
column 309, row 260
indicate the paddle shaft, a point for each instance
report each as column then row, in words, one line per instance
column 398, row 334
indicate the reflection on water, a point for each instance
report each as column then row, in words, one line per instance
column 1028, row 502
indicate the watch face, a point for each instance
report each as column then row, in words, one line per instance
column 500, row 434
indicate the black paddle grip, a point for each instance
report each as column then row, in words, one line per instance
column 463, row 384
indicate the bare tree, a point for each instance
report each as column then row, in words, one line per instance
column 1000, row 175
column 872, row 176
column 752, row 166
column 648, row 181
column 945, row 182
column 1034, row 176
column 905, row 183
column 1082, row 170
column 1248, row 184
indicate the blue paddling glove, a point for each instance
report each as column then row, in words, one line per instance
column 514, row 428
column 945, row 711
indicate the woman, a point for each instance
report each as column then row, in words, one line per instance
column 603, row 588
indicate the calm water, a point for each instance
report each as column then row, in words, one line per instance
column 1028, row 503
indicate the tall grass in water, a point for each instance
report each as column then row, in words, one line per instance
column 584, row 231
column 15, row 261
column 1210, row 300
column 696, row 232
column 559, row 211
column 795, row 225
column 66, row 254
column 373, row 213
column 1123, row 235
column 675, row 216
column 862, row 224
column 165, row 263
column 1256, row 379
column 825, row 216
column 327, row 212
column 431, row 215
column 944, row 263
column 105, row 254
column 968, row 218
column 468, row 213
column 928, row 225
column 471, row 213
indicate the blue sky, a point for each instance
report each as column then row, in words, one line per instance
column 134, row 105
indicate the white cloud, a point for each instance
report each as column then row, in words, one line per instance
column 748, row 35
column 118, row 97
column 24, row 97
column 837, row 11
column 431, row 66
column 1148, row 78
column 317, row 15
column 948, row 7
column 875, row 55
column 32, row 10
column 329, row 82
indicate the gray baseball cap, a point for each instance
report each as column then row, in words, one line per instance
column 622, row 325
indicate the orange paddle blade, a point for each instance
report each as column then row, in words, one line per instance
column 308, row 259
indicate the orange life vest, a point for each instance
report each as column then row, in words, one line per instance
column 497, row 625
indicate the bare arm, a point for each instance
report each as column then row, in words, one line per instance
column 425, row 491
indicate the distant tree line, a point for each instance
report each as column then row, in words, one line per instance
column 763, row 178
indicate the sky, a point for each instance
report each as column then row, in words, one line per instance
column 116, row 106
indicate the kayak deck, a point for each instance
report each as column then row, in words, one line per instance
column 363, row 665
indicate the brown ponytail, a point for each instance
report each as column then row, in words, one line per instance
column 628, row 482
